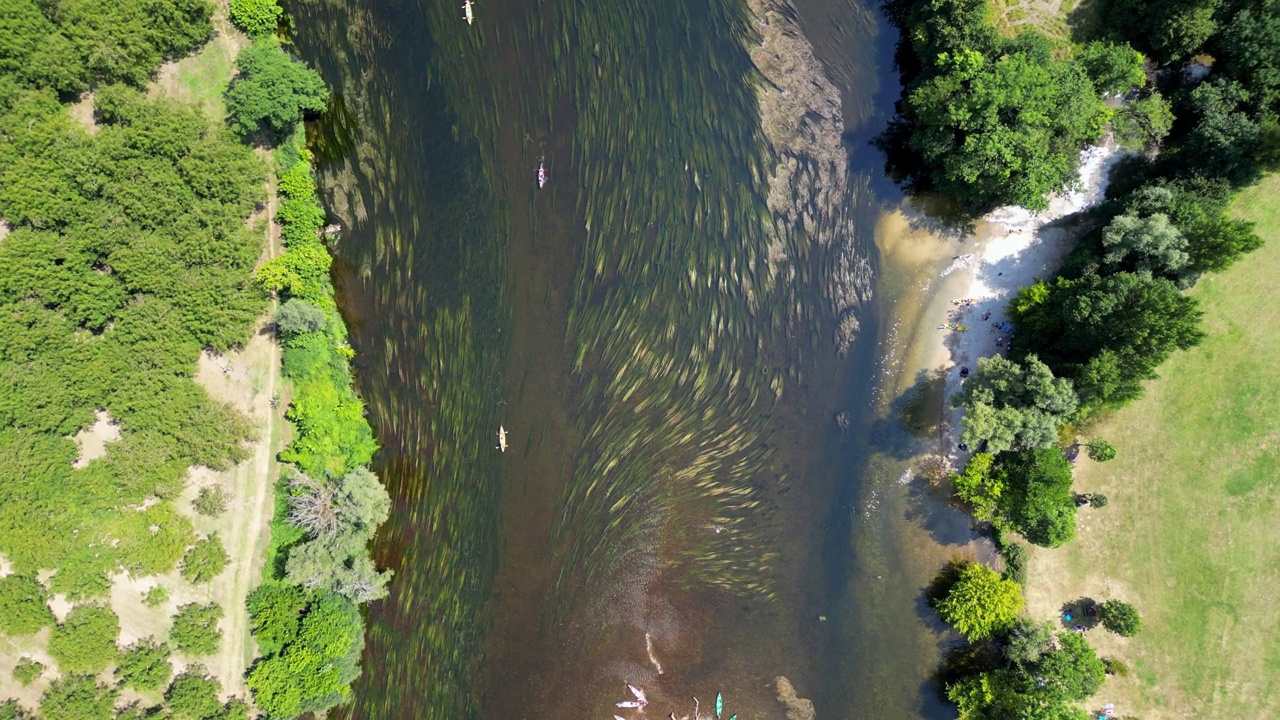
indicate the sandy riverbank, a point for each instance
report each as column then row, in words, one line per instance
column 1011, row 248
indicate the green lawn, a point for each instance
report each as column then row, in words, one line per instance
column 1192, row 533
column 201, row 79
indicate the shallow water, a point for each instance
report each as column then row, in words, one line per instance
column 677, row 507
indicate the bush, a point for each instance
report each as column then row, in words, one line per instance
column 11, row 710
column 27, row 671
column 212, row 501
column 86, row 641
column 1097, row 500
column 980, row 603
column 1015, row 562
column 1121, row 618
column 205, row 560
column 23, row 605
column 272, row 91
column 156, row 596
column 195, row 629
column 193, row 695
column 1100, row 450
column 1116, row 667
column 299, row 316
column 144, row 665
column 77, row 697
column 256, row 17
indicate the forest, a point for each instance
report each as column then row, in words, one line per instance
column 1192, row 91
column 125, row 254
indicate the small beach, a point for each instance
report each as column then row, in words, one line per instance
column 1010, row 249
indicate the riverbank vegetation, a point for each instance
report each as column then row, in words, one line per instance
column 124, row 254
column 1086, row 343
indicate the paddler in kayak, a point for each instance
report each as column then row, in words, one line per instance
column 466, row 9
column 502, row 438
column 542, row 172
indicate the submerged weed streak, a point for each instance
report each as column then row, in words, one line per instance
column 693, row 304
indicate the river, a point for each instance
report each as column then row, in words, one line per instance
column 668, row 332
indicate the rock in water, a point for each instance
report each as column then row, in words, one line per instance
column 798, row 708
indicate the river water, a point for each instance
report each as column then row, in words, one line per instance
column 668, row 332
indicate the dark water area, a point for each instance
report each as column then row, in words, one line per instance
column 677, row 507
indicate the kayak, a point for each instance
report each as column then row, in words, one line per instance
column 719, row 704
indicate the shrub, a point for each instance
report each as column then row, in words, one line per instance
column 23, row 608
column 205, row 560
column 11, row 710
column 1121, row 618
column 980, row 603
column 1097, row 500
column 193, row 695
column 144, row 665
column 155, row 597
column 77, row 697
column 256, row 17
column 1015, row 562
column 1116, row 667
column 272, row 90
column 195, row 629
column 26, row 671
column 299, row 316
column 212, row 501
column 86, row 641
column 1100, row 450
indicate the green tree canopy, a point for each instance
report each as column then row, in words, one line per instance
column 193, row 695
column 1107, row 334
column 313, row 671
column 1114, row 68
column 24, row 605
column 981, row 602
column 1009, row 405
column 256, row 17
column 977, row 487
column 77, row 697
column 1145, row 244
column 1005, row 130
column 144, row 665
column 1142, row 123
column 86, row 641
column 1037, row 498
column 1072, row 671
column 205, row 560
column 299, row 316
column 275, row 612
column 1100, row 450
column 272, row 90
column 1121, row 618
column 195, row 629
column 26, row 672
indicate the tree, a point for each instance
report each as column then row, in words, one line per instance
column 195, row 629
column 77, row 697
column 1142, row 123
column 86, row 641
column 1002, row 131
column 1247, row 48
column 312, row 672
column 144, row 665
column 1038, row 500
column 1225, row 141
column 1114, row 68
column 299, row 316
column 23, row 605
column 1107, row 333
column 977, row 488
column 205, row 560
column 1121, row 618
column 1100, row 450
column 155, row 596
column 338, row 563
column 193, row 695
column 1146, row 244
column 981, row 602
column 212, row 501
column 1014, row 405
column 1073, row 671
column 1027, row 641
column 272, row 91
column 256, row 17
column 27, row 671
column 275, row 614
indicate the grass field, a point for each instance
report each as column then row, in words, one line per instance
column 201, row 79
column 1192, row 532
